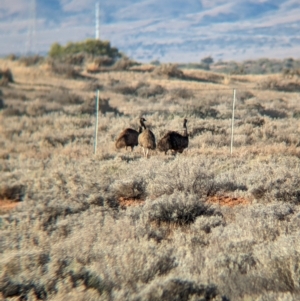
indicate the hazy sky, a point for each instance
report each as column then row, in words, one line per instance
column 168, row 30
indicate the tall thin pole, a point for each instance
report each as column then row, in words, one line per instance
column 31, row 42
column 96, row 123
column 232, row 121
column 97, row 21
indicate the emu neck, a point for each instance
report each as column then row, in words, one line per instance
column 143, row 124
column 185, row 130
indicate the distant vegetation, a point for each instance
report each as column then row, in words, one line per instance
column 83, row 53
column 260, row 66
column 80, row 50
column 96, row 54
column 89, row 46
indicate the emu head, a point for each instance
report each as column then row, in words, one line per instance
column 142, row 120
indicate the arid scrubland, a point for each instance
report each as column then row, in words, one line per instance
column 118, row 226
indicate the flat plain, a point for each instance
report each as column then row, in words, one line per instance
column 201, row 225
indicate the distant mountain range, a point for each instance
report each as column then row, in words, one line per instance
column 168, row 31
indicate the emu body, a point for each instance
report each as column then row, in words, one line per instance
column 129, row 137
column 146, row 139
column 174, row 141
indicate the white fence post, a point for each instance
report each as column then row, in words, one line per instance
column 232, row 121
column 96, row 123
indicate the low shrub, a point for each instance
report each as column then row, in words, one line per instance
column 215, row 130
column 141, row 89
column 290, row 73
column 168, row 70
column 63, row 69
column 94, row 85
column 179, row 290
column 74, row 59
column 296, row 114
column 10, row 111
column 150, row 91
column 203, row 111
column 64, row 97
column 255, row 121
column 133, row 188
column 178, row 208
column 2, row 104
column 12, row 57
column 88, row 107
column 244, row 95
column 39, row 108
column 15, row 192
column 273, row 113
column 13, row 95
column 125, row 89
column 92, row 47
column 182, row 93
column 103, row 61
column 6, row 77
column 123, row 63
column 63, row 140
column 31, row 60
column 274, row 83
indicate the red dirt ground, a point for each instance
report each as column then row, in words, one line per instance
column 7, row 205
column 126, row 202
column 227, row 201
column 220, row 200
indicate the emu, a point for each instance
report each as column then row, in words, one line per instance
column 129, row 137
column 146, row 139
column 174, row 141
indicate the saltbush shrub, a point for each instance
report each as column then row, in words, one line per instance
column 179, row 208
column 89, row 46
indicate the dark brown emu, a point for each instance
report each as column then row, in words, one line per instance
column 146, row 139
column 129, row 137
column 174, row 141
